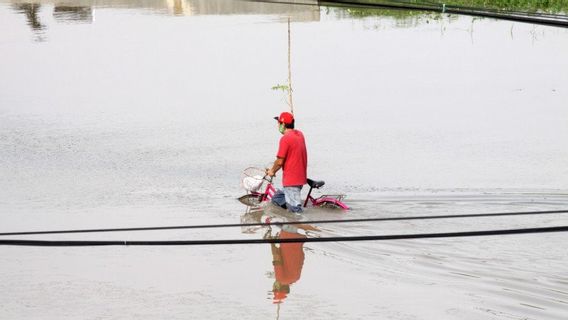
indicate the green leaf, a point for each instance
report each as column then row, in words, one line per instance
column 281, row 87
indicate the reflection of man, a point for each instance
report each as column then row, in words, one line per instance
column 287, row 258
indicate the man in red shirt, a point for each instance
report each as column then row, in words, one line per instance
column 292, row 157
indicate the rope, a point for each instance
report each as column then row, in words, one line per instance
column 66, row 243
column 229, row 225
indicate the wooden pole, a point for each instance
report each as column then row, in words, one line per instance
column 290, row 71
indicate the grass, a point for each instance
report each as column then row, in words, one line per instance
column 542, row 6
column 548, row 6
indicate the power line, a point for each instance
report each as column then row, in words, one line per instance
column 229, row 225
column 67, row 243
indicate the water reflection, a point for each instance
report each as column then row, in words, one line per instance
column 287, row 258
column 305, row 10
column 73, row 14
column 31, row 11
column 61, row 13
column 83, row 11
column 298, row 10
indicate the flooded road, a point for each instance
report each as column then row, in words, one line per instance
column 144, row 113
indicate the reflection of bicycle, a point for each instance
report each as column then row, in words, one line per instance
column 254, row 178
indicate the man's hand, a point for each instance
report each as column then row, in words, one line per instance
column 278, row 163
column 270, row 172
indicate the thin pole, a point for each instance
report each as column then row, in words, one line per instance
column 290, row 71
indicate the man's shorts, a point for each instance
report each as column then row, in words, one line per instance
column 289, row 196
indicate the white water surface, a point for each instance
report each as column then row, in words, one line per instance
column 144, row 113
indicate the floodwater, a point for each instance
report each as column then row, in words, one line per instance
column 145, row 113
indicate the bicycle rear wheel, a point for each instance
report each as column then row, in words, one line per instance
column 328, row 204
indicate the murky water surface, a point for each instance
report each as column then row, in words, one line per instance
column 144, row 113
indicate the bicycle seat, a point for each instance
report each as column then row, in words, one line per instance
column 315, row 184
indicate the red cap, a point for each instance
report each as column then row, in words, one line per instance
column 285, row 117
column 279, row 296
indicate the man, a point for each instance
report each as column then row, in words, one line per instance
column 292, row 157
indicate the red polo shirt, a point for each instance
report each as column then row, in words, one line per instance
column 292, row 149
column 292, row 255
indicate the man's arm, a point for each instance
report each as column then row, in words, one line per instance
column 275, row 167
column 276, row 256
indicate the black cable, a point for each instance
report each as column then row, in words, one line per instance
column 209, row 226
column 67, row 243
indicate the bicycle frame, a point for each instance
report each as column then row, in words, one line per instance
column 335, row 200
column 268, row 192
column 325, row 199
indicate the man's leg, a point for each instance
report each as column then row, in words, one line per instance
column 293, row 198
column 279, row 199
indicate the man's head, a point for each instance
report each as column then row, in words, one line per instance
column 280, row 291
column 285, row 121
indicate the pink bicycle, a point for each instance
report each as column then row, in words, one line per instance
column 254, row 178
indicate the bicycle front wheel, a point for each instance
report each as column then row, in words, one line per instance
column 251, row 200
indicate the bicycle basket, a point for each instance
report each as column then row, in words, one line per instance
column 252, row 179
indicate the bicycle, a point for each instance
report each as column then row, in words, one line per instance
column 253, row 181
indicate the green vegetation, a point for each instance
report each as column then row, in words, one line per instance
column 402, row 18
column 281, row 87
column 409, row 18
column 545, row 6
column 548, row 6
